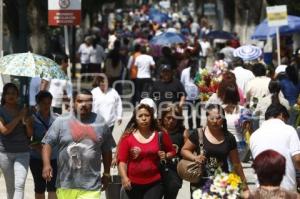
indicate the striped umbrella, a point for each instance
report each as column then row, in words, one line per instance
column 247, row 52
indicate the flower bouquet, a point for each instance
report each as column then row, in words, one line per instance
column 219, row 68
column 207, row 84
column 220, row 186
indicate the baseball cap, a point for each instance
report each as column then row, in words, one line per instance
column 165, row 67
column 151, row 103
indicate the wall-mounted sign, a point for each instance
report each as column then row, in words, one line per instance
column 64, row 12
column 209, row 9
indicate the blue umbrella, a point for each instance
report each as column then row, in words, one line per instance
column 167, row 38
column 158, row 16
column 153, row 10
column 220, row 34
column 263, row 31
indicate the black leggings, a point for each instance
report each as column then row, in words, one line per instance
column 40, row 185
column 142, row 87
column 148, row 191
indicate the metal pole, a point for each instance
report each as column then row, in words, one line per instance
column 278, row 45
column 73, row 52
column 67, row 49
column 1, row 28
column 1, row 41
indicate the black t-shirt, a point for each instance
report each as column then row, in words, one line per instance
column 167, row 91
column 216, row 154
column 177, row 139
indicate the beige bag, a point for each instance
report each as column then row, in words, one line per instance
column 190, row 170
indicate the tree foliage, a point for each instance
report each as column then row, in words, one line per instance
column 293, row 6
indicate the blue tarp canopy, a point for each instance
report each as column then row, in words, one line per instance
column 263, row 31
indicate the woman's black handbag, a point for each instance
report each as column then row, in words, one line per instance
column 114, row 188
column 170, row 179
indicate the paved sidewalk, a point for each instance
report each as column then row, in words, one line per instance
column 183, row 193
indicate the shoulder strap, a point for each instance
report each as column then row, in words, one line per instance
column 40, row 119
column 160, row 141
column 201, row 145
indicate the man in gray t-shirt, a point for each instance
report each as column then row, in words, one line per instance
column 81, row 137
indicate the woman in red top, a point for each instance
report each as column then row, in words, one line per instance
column 139, row 155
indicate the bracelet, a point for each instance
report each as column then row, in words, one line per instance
column 106, row 175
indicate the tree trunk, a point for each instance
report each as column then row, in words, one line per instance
column 37, row 17
column 247, row 15
column 15, row 16
column 228, row 21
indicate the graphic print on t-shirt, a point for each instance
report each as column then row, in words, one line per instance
column 80, row 154
column 80, row 131
column 84, row 137
column 135, row 152
column 75, row 153
column 211, row 165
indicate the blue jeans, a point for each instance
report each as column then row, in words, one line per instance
column 242, row 148
column 14, row 167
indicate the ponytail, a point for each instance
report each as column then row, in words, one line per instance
column 193, row 63
column 274, row 88
column 224, row 126
column 275, row 98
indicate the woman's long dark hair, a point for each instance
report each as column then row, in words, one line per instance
column 292, row 74
column 194, row 64
column 5, row 90
column 228, row 90
column 274, row 88
column 132, row 124
column 221, row 111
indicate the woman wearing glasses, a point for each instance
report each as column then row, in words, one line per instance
column 218, row 144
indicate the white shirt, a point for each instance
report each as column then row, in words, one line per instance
column 228, row 53
column 257, row 87
column 111, row 41
column 190, row 87
column 265, row 102
column 85, row 52
column 205, row 46
column 232, row 121
column 144, row 63
column 195, row 27
column 242, row 76
column 57, row 88
column 108, row 105
column 276, row 135
column 214, row 99
column 34, row 88
column 97, row 55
